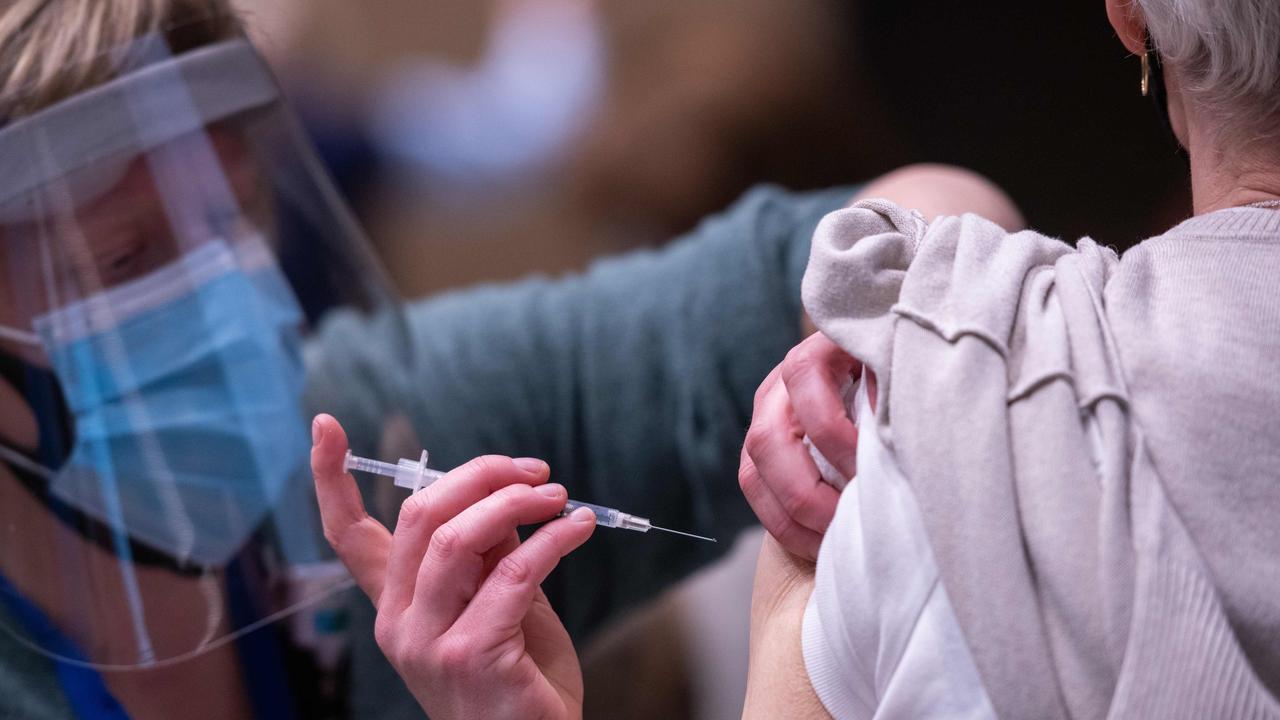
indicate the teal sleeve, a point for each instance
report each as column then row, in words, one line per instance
column 29, row 685
column 634, row 380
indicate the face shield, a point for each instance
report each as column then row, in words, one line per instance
column 167, row 240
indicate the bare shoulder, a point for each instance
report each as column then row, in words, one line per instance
column 937, row 190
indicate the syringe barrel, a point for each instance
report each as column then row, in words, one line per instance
column 608, row 517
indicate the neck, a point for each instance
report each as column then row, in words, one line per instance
column 1221, row 179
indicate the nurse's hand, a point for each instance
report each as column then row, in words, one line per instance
column 461, row 615
column 777, row 475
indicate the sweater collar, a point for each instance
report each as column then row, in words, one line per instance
column 1235, row 222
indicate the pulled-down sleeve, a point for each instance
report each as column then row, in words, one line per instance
column 880, row 638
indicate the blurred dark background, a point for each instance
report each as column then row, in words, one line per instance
column 484, row 139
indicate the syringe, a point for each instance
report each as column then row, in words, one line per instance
column 414, row 475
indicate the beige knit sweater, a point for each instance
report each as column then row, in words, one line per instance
column 1094, row 445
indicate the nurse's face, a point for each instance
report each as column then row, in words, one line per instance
column 125, row 234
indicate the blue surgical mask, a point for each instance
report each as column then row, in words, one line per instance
column 185, row 387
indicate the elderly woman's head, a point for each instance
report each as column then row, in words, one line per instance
column 1222, row 66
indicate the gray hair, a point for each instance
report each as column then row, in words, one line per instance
column 1226, row 52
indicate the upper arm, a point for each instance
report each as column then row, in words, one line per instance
column 777, row 682
column 938, row 190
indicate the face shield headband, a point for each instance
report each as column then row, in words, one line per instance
column 98, row 130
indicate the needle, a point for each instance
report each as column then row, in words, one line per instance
column 677, row 532
column 415, row 475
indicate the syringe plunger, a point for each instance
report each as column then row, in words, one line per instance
column 407, row 474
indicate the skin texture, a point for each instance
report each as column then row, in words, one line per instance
column 461, row 615
column 777, row 683
column 1229, row 166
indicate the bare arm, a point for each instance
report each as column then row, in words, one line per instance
column 777, row 682
column 937, row 190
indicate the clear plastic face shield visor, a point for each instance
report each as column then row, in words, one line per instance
column 167, row 241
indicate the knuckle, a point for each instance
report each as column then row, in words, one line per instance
column 793, row 354
column 384, row 633
column 800, row 362
column 757, row 439
column 792, row 537
column 341, row 538
column 333, row 536
column 795, row 504
column 512, row 570
column 414, row 511
column 748, row 478
column 445, row 542
column 452, row 656
column 763, row 390
column 512, row 493
column 507, row 503
column 486, row 465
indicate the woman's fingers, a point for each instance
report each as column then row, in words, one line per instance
column 813, row 373
column 776, row 447
column 361, row 542
column 454, row 566
column 425, row 511
column 798, row 539
column 504, row 598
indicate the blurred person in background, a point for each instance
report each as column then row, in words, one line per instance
column 1059, row 499
column 159, row 357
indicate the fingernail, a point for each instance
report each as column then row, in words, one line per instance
column 550, row 490
column 533, row 466
column 315, row 431
column 582, row 515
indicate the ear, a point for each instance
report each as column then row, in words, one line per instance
column 1126, row 17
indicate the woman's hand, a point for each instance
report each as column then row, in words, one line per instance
column 777, row 475
column 461, row 615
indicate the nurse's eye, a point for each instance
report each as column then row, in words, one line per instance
column 122, row 261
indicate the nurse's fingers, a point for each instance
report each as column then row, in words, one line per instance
column 503, row 600
column 426, row 510
column 796, row 538
column 775, row 444
column 813, row 373
column 361, row 542
column 454, row 566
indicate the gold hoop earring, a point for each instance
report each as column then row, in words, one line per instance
column 1146, row 74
